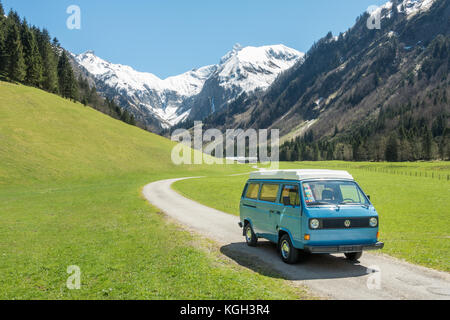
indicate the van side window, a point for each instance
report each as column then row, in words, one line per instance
column 252, row 191
column 269, row 192
column 290, row 193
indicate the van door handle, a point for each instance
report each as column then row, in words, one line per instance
column 276, row 212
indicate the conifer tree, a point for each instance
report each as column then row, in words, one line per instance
column 2, row 40
column 32, row 57
column 49, row 62
column 14, row 64
column 427, row 144
column 391, row 153
column 14, row 17
column 56, row 43
column 2, row 11
column 68, row 87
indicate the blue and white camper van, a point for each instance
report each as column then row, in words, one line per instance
column 309, row 211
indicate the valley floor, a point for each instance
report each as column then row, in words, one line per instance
column 125, row 249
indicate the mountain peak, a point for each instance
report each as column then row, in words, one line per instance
column 237, row 47
column 260, row 54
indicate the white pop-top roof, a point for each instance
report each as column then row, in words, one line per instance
column 300, row 174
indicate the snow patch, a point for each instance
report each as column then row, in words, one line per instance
column 409, row 7
column 413, row 7
column 252, row 68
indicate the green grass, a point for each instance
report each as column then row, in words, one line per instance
column 414, row 210
column 70, row 182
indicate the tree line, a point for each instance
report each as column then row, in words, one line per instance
column 28, row 55
column 399, row 133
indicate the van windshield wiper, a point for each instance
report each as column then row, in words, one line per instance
column 319, row 203
column 354, row 204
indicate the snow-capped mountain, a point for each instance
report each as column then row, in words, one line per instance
column 144, row 93
column 169, row 101
column 251, row 68
column 242, row 70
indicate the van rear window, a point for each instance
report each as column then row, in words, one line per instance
column 252, row 191
column 269, row 192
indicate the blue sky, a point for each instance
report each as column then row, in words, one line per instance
column 169, row 37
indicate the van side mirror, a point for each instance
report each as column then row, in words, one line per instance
column 286, row 201
column 368, row 197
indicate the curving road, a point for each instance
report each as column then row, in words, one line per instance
column 377, row 276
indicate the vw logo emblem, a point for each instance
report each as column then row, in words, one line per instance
column 347, row 223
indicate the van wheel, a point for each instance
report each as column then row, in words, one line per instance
column 250, row 236
column 288, row 253
column 353, row 256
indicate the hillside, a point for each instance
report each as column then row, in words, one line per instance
column 70, row 181
column 365, row 94
column 45, row 138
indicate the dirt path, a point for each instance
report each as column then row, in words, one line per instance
column 377, row 276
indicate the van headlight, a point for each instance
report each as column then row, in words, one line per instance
column 373, row 222
column 314, row 224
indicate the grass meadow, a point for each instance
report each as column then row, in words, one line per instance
column 70, row 194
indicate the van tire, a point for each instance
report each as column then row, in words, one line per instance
column 353, row 256
column 288, row 253
column 250, row 236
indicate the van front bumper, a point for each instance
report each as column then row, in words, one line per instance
column 344, row 249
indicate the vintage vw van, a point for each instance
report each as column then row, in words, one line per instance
column 309, row 211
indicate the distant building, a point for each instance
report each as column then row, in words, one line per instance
column 243, row 159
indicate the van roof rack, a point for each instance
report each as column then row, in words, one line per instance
column 300, row 174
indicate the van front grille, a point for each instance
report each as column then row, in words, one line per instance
column 344, row 223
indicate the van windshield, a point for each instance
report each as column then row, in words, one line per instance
column 318, row 193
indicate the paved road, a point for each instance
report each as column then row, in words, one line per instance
column 377, row 276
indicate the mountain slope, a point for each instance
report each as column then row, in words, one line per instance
column 164, row 103
column 355, row 90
